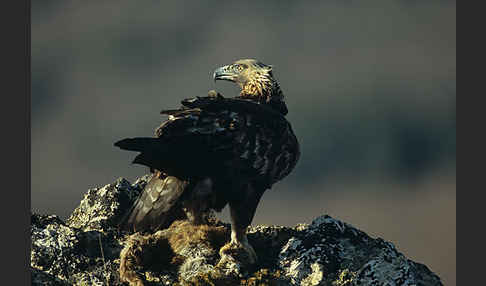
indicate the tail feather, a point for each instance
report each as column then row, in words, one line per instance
column 157, row 207
column 143, row 159
column 152, row 150
column 138, row 144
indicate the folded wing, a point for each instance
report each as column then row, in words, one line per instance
column 211, row 136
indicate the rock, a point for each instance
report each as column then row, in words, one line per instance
column 88, row 249
column 330, row 252
column 103, row 208
column 39, row 277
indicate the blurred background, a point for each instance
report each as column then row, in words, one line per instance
column 370, row 85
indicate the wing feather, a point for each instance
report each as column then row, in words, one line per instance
column 216, row 135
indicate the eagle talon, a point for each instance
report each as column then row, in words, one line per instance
column 243, row 252
column 239, row 248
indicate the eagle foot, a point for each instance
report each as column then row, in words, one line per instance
column 240, row 251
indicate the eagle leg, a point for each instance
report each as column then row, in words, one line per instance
column 197, row 204
column 242, row 212
column 238, row 248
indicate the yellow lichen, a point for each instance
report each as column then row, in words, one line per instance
column 345, row 278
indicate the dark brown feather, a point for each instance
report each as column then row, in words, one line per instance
column 239, row 147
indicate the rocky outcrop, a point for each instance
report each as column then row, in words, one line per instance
column 88, row 249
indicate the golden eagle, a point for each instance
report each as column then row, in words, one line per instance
column 215, row 151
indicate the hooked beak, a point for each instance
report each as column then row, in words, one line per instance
column 224, row 73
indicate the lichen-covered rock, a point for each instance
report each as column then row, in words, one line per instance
column 330, row 252
column 88, row 249
column 55, row 246
column 70, row 255
column 39, row 277
column 103, row 208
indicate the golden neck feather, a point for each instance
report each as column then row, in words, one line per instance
column 265, row 90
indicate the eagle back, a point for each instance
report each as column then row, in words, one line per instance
column 246, row 138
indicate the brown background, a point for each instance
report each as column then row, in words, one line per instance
column 371, row 89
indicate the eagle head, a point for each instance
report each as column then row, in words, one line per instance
column 255, row 80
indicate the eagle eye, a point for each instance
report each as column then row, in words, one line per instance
column 239, row 67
